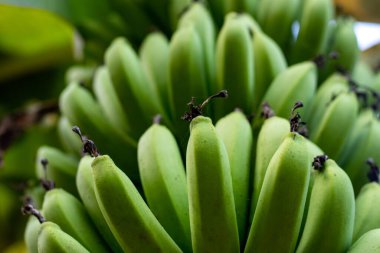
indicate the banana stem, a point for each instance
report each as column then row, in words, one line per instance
column 28, row 209
column 296, row 125
column 196, row 110
column 319, row 162
column 267, row 111
column 89, row 146
column 46, row 184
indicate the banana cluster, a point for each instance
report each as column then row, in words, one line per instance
column 266, row 182
column 213, row 198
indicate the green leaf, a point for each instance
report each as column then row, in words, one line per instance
column 33, row 39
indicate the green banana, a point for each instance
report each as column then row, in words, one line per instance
column 345, row 45
column 51, row 239
column 286, row 180
column 236, row 133
column 80, row 74
column 77, row 104
column 109, row 101
column 86, row 189
column 69, row 213
column 367, row 204
column 211, row 199
column 359, row 131
column 368, row 243
column 187, row 75
column 235, row 66
column 248, row 19
column 70, row 142
column 132, row 223
column 31, row 234
column 61, row 168
column 331, row 210
column 164, row 182
column 198, row 15
column 365, row 146
column 138, row 98
column 272, row 13
column 296, row 83
column 271, row 135
column 328, row 133
column 269, row 61
column 154, row 57
column 313, row 32
column 330, row 88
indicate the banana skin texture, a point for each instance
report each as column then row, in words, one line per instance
column 329, row 231
column 164, row 183
column 51, row 239
column 278, row 215
column 132, row 223
column 213, row 221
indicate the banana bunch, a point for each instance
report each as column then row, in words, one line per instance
column 251, row 176
column 204, row 202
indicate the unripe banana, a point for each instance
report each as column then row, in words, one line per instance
column 187, row 75
column 248, row 19
column 154, row 57
column 313, row 30
column 235, row 66
column 271, row 135
column 329, row 89
column 213, row 221
column 109, row 101
column 132, row 223
column 198, row 15
column 51, row 239
column 70, row 142
column 269, row 61
column 286, row 180
column 77, row 104
column 139, row 99
column 328, row 134
column 272, row 13
column 31, row 234
column 331, row 211
column 164, row 182
column 296, row 83
column 236, row 133
column 367, row 206
column 359, row 131
column 61, row 168
column 368, row 243
column 366, row 146
column 68, row 212
column 86, row 188
column 345, row 45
